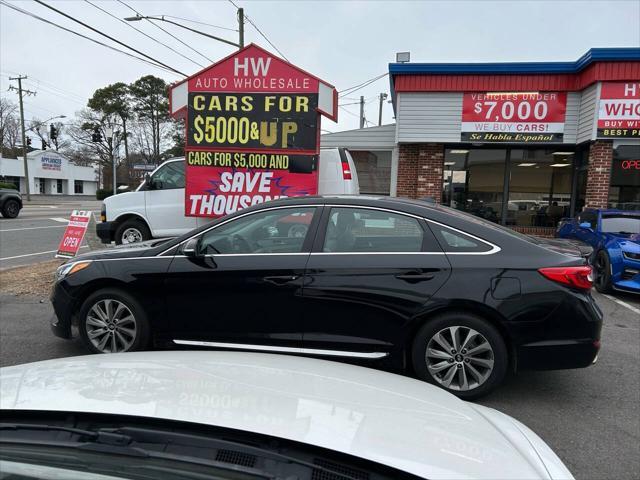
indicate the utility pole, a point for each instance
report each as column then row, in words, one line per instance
column 383, row 97
column 21, row 92
column 361, row 111
column 241, row 28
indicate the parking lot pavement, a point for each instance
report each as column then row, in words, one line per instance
column 590, row 417
column 34, row 236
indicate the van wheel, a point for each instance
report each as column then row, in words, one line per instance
column 460, row 352
column 112, row 321
column 132, row 231
column 10, row 209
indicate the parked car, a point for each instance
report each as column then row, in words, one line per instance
column 247, row 415
column 407, row 284
column 156, row 208
column 10, row 202
column 614, row 236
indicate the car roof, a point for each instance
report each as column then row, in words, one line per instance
column 391, row 419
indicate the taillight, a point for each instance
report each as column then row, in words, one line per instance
column 577, row 277
column 346, row 171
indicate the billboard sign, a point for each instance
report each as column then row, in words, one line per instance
column 520, row 117
column 252, row 131
column 619, row 110
column 74, row 234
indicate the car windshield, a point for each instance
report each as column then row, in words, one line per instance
column 621, row 224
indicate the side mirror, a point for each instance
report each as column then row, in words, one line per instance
column 585, row 225
column 191, row 248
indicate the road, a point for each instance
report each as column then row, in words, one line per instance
column 34, row 236
column 590, row 417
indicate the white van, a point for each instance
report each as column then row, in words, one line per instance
column 156, row 208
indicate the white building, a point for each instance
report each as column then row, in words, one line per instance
column 50, row 173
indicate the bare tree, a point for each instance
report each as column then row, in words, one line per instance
column 9, row 128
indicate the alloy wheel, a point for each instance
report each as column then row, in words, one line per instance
column 131, row 235
column 111, row 326
column 600, row 271
column 459, row 358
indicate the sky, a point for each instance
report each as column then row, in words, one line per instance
column 345, row 43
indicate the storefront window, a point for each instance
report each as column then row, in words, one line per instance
column 374, row 171
column 78, row 186
column 539, row 187
column 538, row 182
column 624, row 192
column 474, row 181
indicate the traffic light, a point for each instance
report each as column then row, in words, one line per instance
column 96, row 137
column 44, row 144
column 28, row 141
column 53, row 132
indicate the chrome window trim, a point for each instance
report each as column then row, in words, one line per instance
column 494, row 248
column 236, row 218
column 275, row 348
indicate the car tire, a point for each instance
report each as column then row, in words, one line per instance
column 482, row 367
column 121, row 319
column 602, row 272
column 132, row 231
column 11, row 208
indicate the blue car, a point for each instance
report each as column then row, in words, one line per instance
column 614, row 236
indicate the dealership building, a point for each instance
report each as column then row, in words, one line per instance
column 520, row 144
column 50, row 173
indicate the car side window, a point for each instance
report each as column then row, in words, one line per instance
column 282, row 230
column 364, row 230
column 589, row 217
column 453, row 241
column 169, row 176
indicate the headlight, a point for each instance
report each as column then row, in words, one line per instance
column 631, row 255
column 70, row 268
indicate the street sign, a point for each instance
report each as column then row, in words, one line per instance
column 252, row 131
column 73, row 234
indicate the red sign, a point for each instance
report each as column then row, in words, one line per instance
column 252, row 131
column 74, row 234
column 619, row 111
column 630, row 164
column 528, row 117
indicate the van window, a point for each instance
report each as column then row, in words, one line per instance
column 169, row 176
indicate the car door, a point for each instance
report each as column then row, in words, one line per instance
column 244, row 285
column 370, row 272
column 164, row 201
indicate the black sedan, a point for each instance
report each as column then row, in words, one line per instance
column 396, row 283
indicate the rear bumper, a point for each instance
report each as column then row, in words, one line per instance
column 105, row 231
column 63, row 312
column 569, row 339
column 558, row 354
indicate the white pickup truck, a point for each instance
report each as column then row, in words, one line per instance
column 156, row 208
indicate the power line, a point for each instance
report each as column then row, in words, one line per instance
column 25, row 12
column 50, row 85
column 165, row 31
column 52, row 92
column 128, row 24
column 260, row 32
column 355, row 88
column 200, row 23
column 107, row 36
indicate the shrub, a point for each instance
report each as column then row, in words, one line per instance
column 103, row 193
column 8, row 185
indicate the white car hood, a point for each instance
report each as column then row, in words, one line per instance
column 387, row 418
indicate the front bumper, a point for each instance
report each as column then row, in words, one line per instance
column 63, row 307
column 106, row 231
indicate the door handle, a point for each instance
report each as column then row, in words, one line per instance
column 281, row 280
column 414, row 277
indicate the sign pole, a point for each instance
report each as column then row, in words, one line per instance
column 241, row 28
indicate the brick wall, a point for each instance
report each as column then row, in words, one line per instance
column 420, row 169
column 598, row 174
